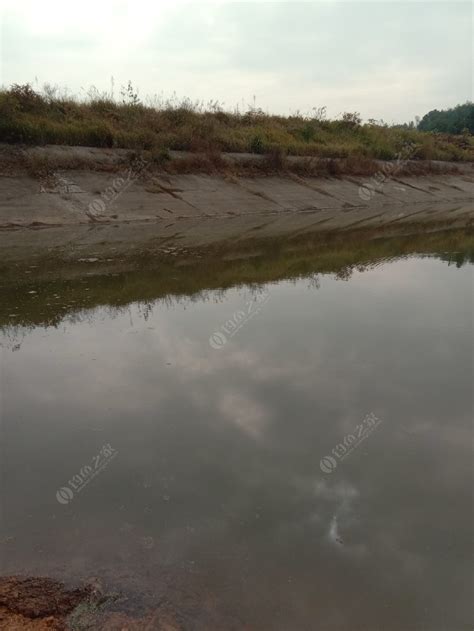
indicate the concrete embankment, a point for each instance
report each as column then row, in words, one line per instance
column 134, row 204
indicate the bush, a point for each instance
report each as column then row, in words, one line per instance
column 257, row 145
column 426, row 149
column 160, row 156
column 23, row 132
column 308, row 132
column 351, row 119
column 27, row 99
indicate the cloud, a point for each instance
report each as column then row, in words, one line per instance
column 388, row 60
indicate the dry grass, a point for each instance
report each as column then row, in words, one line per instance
column 45, row 163
column 28, row 117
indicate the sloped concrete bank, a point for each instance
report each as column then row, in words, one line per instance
column 120, row 203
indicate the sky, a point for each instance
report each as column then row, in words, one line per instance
column 387, row 60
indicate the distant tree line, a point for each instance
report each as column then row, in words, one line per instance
column 456, row 120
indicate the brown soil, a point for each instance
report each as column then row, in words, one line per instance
column 43, row 604
column 36, row 603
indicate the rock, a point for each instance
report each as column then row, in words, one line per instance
column 38, row 597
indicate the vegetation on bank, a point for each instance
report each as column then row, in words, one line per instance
column 49, row 117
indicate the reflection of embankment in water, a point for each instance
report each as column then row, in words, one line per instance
column 52, row 289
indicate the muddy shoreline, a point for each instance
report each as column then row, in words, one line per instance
column 42, row 604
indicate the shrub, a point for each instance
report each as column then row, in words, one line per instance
column 426, row 149
column 160, row 156
column 308, row 132
column 351, row 119
column 27, row 99
column 23, row 132
column 257, row 144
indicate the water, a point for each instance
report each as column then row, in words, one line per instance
column 213, row 492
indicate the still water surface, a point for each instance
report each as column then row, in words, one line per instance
column 215, row 496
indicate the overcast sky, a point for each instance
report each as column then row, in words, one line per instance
column 391, row 60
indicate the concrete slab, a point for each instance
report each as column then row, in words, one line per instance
column 77, row 197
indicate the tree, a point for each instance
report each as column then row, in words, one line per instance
column 451, row 121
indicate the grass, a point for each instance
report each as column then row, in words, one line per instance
column 33, row 118
column 42, row 164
